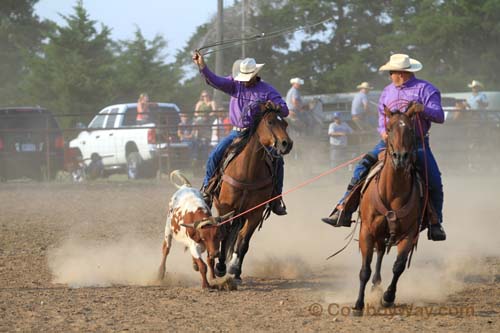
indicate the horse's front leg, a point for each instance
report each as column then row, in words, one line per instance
column 404, row 248
column 220, row 267
column 366, row 245
column 243, row 244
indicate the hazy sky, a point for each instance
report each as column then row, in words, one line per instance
column 176, row 20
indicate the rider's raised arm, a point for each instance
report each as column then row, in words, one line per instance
column 227, row 85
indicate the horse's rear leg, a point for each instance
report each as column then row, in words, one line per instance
column 366, row 246
column 399, row 266
column 377, row 278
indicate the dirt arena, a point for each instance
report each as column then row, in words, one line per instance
column 84, row 258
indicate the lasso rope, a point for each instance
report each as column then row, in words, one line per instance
column 295, row 188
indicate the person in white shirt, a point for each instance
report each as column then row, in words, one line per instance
column 478, row 99
column 338, row 132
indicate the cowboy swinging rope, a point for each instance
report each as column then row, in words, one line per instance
column 238, row 41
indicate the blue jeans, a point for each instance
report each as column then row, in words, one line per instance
column 217, row 154
column 435, row 182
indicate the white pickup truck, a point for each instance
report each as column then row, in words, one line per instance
column 122, row 143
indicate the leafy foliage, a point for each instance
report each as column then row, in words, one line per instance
column 78, row 68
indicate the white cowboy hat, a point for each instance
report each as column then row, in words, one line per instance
column 402, row 63
column 475, row 83
column 297, row 80
column 236, row 67
column 364, row 85
column 248, row 69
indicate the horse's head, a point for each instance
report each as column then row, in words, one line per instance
column 401, row 136
column 271, row 130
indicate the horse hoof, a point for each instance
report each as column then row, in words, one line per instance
column 234, row 270
column 376, row 288
column 357, row 312
column 237, row 281
column 220, row 270
column 386, row 304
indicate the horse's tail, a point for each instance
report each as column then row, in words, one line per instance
column 178, row 174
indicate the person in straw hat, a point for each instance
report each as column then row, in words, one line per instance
column 478, row 99
column 404, row 88
column 360, row 106
column 243, row 106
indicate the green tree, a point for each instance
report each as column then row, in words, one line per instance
column 140, row 67
column 20, row 37
column 74, row 73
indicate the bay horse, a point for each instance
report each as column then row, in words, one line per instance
column 391, row 206
column 247, row 181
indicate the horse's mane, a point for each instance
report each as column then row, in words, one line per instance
column 238, row 145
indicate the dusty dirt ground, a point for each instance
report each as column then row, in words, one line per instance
column 84, row 257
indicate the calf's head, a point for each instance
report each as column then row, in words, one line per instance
column 205, row 229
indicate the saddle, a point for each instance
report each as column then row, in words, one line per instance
column 236, row 147
column 351, row 203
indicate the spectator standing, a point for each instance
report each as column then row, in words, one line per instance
column 360, row 106
column 338, row 132
column 295, row 104
column 202, row 134
column 478, row 99
column 205, row 105
column 142, row 109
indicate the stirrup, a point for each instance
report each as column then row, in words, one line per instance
column 436, row 233
column 278, row 207
column 339, row 218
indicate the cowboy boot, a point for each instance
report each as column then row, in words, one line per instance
column 436, row 232
column 278, row 207
column 339, row 217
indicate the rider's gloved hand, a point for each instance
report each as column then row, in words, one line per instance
column 419, row 108
column 198, row 59
column 270, row 105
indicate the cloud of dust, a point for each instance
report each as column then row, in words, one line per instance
column 127, row 261
column 295, row 246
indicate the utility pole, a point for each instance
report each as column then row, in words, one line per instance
column 243, row 27
column 219, row 57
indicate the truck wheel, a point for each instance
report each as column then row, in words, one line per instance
column 134, row 165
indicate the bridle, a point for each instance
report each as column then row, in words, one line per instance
column 390, row 137
column 272, row 153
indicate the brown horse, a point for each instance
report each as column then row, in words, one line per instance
column 247, row 182
column 390, row 207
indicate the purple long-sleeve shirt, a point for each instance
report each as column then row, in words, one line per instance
column 420, row 91
column 244, row 102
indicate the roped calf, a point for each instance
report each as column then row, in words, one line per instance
column 191, row 223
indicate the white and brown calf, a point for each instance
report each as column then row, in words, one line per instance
column 191, row 223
